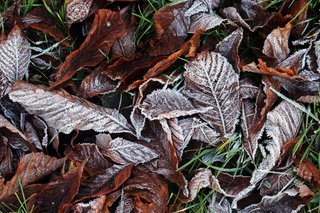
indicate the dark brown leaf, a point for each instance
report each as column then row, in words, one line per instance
column 148, row 191
column 32, row 167
column 106, row 28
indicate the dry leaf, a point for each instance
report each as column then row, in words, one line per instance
column 77, row 10
column 65, row 112
column 168, row 104
column 15, row 57
column 210, row 81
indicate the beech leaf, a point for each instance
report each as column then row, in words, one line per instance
column 168, row 104
column 65, row 112
column 210, row 81
column 125, row 152
column 15, row 57
column 78, row 10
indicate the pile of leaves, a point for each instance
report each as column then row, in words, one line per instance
column 159, row 106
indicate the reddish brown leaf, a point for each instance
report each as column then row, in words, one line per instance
column 108, row 181
column 32, row 167
column 40, row 19
column 148, row 191
column 106, row 28
column 57, row 195
column 307, row 170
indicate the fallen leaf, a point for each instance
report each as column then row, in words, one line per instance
column 77, row 10
column 32, row 167
column 307, row 170
column 14, row 59
column 106, row 28
column 126, row 152
column 210, row 81
column 71, row 112
column 95, row 205
column 168, row 104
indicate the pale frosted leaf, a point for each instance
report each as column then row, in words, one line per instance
column 32, row 136
column 14, row 59
column 204, row 133
column 201, row 6
column 276, row 45
column 210, row 81
column 222, row 206
column 282, row 124
column 32, row 167
column 78, row 10
column 65, row 112
column 248, row 89
column 93, row 206
column 168, row 104
column 175, row 135
column 317, row 53
column 228, row 47
column 126, row 205
column 309, row 99
column 123, row 151
column 202, row 179
column 204, row 22
column 138, row 121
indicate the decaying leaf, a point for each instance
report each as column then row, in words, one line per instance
column 276, row 45
column 95, row 205
column 210, row 81
column 125, row 152
column 106, row 28
column 65, row 112
column 15, row 57
column 78, row 10
column 307, row 170
column 32, row 167
column 168, row 104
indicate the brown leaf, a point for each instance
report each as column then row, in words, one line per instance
column 168, row 104
column 210, row 81
column 249, row 14
column 276, row 45
column 89, row 153
column 40, row 19
column 233, row 184
column 106, row 28
column 71, row 112
column 307, row 171
column 126, row 152
column 32, row 168
column 228, row 47
column 275, row 183
column 77, row 10
column 16, row 138
column 6, row 157
column 171, row 25
column 97, row 83
column 148, row 191
column 103, row 184
column 14, row 59
column 57, row 195
column 95, row 205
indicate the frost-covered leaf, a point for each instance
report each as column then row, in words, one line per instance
column 78, row 10
column 204, row 22
column 248, row 89
column 125, row 45
column 228, row 47
column 210, row 81
column 201, row 6
column 15, row 57
column 96, row 205
column 249, row 14
column 169, row 104
column 32, row 167
column 123, row 151
column 282, row 124
column 276, row 45
column 65, row 112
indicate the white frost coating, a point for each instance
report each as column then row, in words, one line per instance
column 204, row 22
column 124, row 152
column 317, row 53
column 166, row 104
column 282, row 124
column 211, row 81
column 78, row 10
column 15, row 57
column 65, row 112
